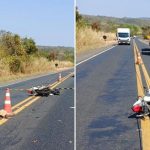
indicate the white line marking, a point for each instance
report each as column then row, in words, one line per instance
column 24, row 80
column 31, row 78
column 95, row 55
column 71, row 107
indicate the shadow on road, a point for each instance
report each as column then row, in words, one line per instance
column 133, row 116
column 145, row 51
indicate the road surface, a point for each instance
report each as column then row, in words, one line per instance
column 106, row 90
column 46, row 124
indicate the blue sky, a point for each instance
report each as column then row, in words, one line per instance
column 117, row 8
column 48, row 22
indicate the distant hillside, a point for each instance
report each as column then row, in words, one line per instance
column 55, row 48
column 134, row 21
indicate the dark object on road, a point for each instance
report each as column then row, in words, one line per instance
column 142, row 105
column 145, row 51
column 3, row 114
column 43, row 91
column 55, row 92
column 72, row 76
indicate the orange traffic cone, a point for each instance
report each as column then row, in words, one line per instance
column 59, row 78
column 7, row 103
column 139, row 60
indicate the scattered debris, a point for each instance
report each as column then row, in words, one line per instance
column 142, row 105
column 3, row 113
column 35, row 141
column 43, row 91
column 70, row 142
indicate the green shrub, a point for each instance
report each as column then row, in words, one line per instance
column 15, row 65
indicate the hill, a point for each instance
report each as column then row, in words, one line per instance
column 55, row 48
column 142, row 22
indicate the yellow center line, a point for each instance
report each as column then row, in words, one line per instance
column 22, row 102
column 32, row 99
column 145, row 128
column 145, row 72
column 145, row 122
column 140, row 89
column 36, row 98
column 147, row 79
column 26, row 105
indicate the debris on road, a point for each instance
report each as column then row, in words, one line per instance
column 43, row 91
column 142, row 105
column 35, row 141
column 3, row 113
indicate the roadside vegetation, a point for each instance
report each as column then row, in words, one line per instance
column 99, row 31
column 146, row 32
column 21, row 57
column 90, row 36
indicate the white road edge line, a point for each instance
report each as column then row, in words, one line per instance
column 31, row 78
column 95, row 55
column 71, row 107
column 16, row 82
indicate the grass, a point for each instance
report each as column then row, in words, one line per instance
column 36, row 66
column 86, row 38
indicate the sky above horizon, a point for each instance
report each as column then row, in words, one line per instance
column 48, row 22
column 115, row 8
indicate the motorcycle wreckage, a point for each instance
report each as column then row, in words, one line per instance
column 142, row 106
column 43, row 91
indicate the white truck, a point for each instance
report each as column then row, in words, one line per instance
column 123, row 36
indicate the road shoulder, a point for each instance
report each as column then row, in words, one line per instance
column 144, row 41
column 26, row 78
column 89, row 53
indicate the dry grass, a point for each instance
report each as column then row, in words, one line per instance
column 86, row 38
column 35, row 67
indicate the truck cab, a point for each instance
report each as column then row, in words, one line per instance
column 123, row 36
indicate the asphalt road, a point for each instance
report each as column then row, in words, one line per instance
column 47, row 124
column 88, row 53
column 106, row 90
column 18, row 96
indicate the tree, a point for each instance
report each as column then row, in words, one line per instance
column 53, row 55
column 80, row 21
column 30, row 46
column 18, row 47
column 12, row 44
column 69, row 56
column 96, row 26
column 78, row 16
